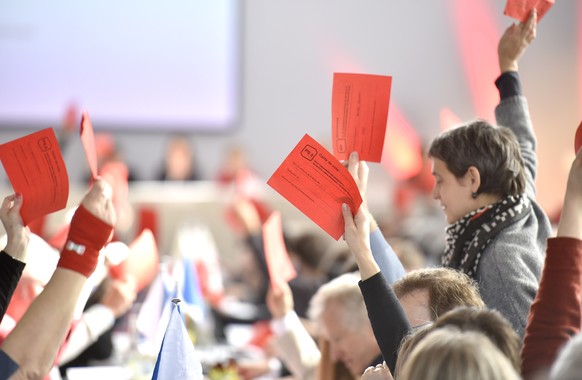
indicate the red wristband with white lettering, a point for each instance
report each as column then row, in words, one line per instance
column 87, row 236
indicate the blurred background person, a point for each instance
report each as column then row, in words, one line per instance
column 180, row 162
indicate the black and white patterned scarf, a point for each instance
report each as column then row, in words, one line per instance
column 469, row 236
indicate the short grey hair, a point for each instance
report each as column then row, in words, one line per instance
column 568, row 364
column 344, row 291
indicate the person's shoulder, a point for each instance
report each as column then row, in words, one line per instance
column 512, row 245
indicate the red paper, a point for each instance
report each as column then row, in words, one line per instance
column 315, row 182
column 88, row 140
column 578, row 139
column 116, row 174
column 34, row 164
column 359, row 115
column 142, row 262
column 521, row 9
column 280, row 267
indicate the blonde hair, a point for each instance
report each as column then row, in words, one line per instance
column 489, row 322
column 447, row 289
column 451, row 354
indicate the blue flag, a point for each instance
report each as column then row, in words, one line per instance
column 177, row 358
column 191, row 293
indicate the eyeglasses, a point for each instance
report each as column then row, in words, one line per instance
column 422, row 326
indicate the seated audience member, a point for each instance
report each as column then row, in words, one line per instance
column 339, row 310
column 337, row 261
column 295, row 347
column 91, row 336
column 179, row 161
column 12, row 258
column 451, row 354
column 291, row 341
column 555, row 315
column 109, row 152
column 235, row 166
column 329, row 368
column 423, row 294
column 488, row 322
column 30, row 349
column 426, row 294
column 307, row 251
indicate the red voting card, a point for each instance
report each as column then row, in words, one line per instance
column 142, row 262
column 521, row 9
column 359, row 114
column 578, row 139
column 34, row 164
column 116, row 174
column 88, row 140
column 315, row 182
column 280, row 266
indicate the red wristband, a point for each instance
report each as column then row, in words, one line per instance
column 87, row 236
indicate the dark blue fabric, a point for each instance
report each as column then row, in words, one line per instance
column 7, row 366
column 508, row 85
column 10, row 272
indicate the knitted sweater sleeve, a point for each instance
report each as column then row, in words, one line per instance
column 513, row 113
column 556, row 311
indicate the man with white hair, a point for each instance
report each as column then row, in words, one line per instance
column 338, row 307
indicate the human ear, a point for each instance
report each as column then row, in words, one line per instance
column 474, row 178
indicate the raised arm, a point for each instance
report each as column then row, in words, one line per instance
column 13, row 256
column 382, row 253
column 555, row 314
column 34, row 342
column 386, row 315
column 293, row 344
column 512, row 111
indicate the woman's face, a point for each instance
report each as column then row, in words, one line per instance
column 454, row 194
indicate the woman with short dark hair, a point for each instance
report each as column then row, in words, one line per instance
column 485, row 183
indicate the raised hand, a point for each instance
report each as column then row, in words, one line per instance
column 91, row 228
column 280, row 300
column 379, row 372
column 119, row 295
column 359, row 171
column 18, row 235
column 514, row 42
column 357, row 236
column 98, row 201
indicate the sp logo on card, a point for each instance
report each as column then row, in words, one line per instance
column 309, row 152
